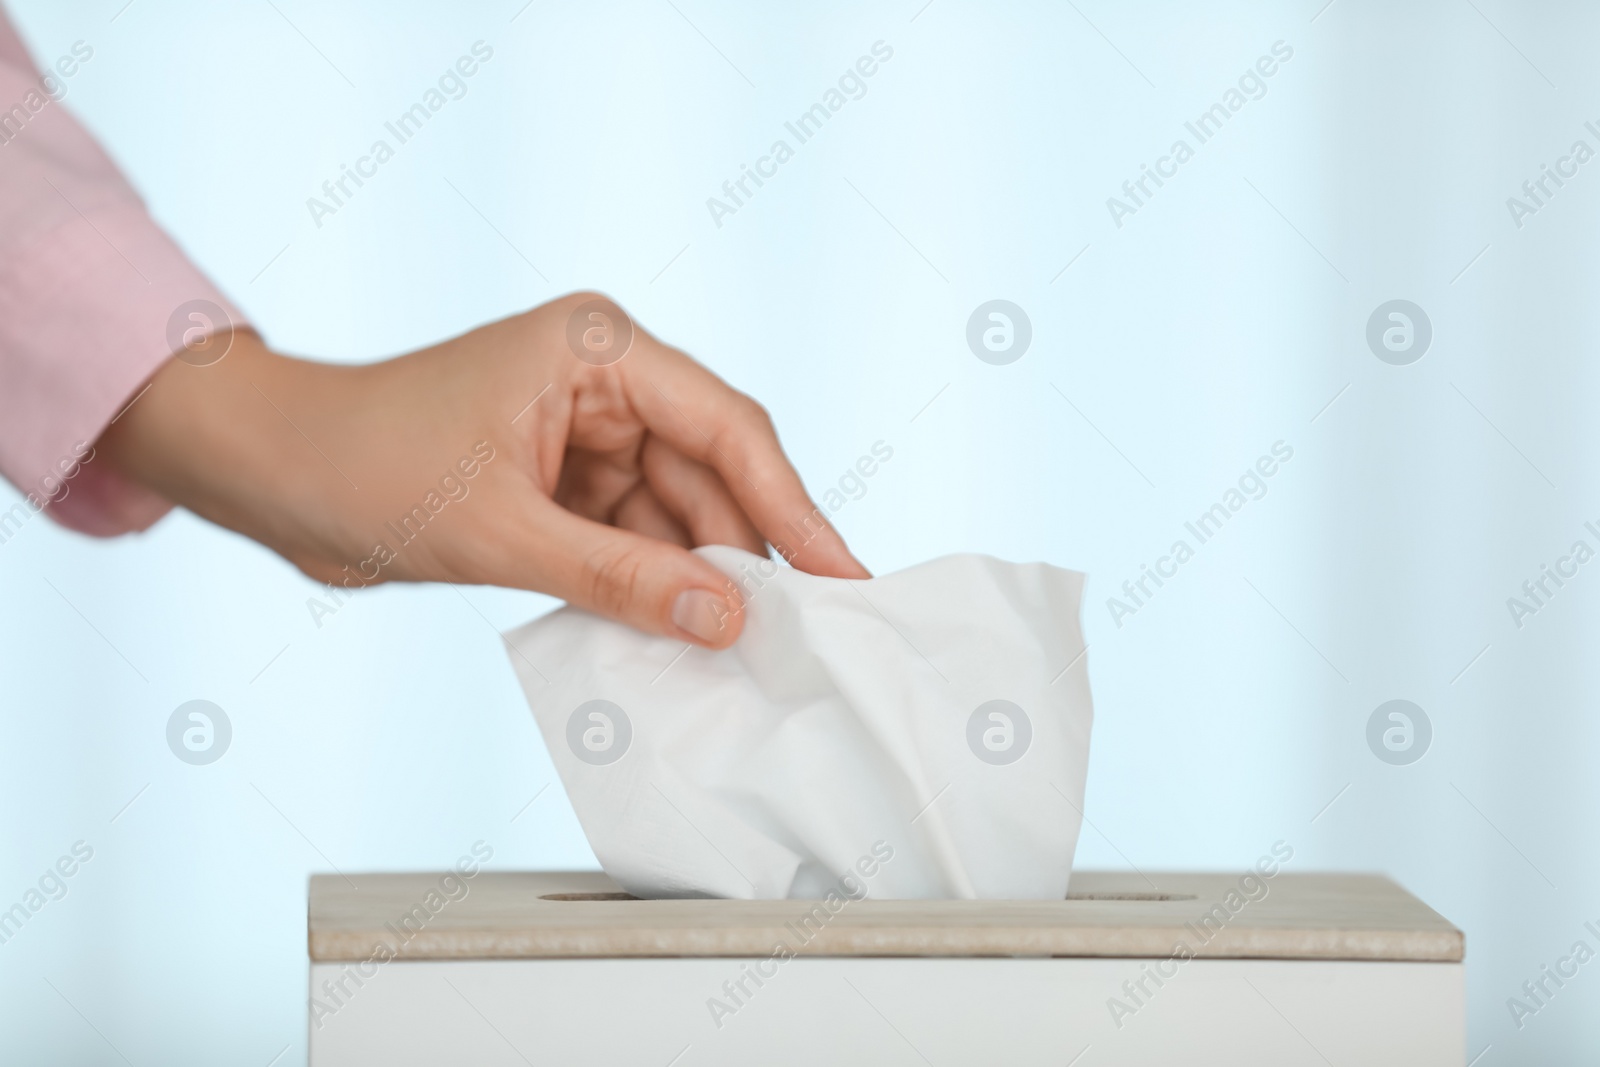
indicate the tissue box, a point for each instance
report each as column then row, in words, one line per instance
column 508, row 968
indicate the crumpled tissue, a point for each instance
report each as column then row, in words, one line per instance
column 924, row 734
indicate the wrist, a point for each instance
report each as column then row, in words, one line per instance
column 219, row 440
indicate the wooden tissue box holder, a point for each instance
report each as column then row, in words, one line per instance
column 561, row 968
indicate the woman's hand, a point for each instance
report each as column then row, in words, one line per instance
column 563, row 450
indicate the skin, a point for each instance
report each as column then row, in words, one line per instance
column 593, row 494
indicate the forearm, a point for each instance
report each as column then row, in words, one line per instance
column 90, row 290
column 236, row 442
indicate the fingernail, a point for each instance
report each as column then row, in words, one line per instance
column 702, row 615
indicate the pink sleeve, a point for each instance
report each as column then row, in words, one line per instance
column 88, row 286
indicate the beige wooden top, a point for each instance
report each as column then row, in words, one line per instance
column 506, row 915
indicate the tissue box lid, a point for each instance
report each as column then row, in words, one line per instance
column 582, row 915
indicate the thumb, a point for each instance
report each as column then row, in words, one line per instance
column 650, row 584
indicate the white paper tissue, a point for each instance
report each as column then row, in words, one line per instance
column 940, row 715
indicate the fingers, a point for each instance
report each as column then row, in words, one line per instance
column 707, row 420
column 644, row 581
column 642, row 512
column 594, row 484
column 697, row 497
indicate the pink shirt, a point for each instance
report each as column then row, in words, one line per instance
column 88, row 284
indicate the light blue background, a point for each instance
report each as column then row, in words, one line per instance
column 1221, row 318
